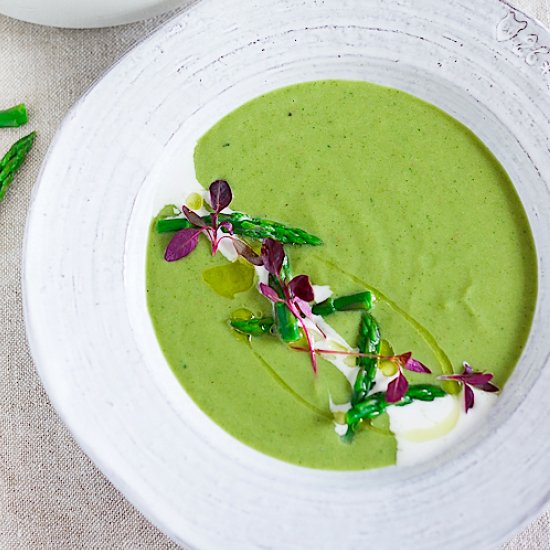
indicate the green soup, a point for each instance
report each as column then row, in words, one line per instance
column 407, row 201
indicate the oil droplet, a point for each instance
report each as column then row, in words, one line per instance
column 451, row 387
column 228, row 280
column 194, row 201
column 388, row 368
column 242, row 314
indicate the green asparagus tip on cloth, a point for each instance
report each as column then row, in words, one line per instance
column 13, row 160
column 14, row 117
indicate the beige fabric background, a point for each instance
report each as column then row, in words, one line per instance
column 51, row 495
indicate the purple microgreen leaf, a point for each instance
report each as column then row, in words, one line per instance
column 182, row 244
column 480, row 380
column 477, row 378
column 246, row 252
column 193, row 217
column 273, row 256
column 228, row 226
column 413, row 365
column 305, row 309
column 397, row 389
column 468, row 398
column 214, row 218
column 301, row 288
column 469, row 376
column 269, row 293
column 488, row 387
column 220, row 195
column 403, row 358
column 467, row 368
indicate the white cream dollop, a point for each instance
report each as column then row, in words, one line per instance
column 424, row 430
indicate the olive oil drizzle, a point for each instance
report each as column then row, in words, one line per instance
column 427, row 336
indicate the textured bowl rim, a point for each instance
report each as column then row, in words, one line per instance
column 83, row 439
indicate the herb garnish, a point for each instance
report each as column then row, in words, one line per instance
column 398, row 387
column 295, row 293
column 187, row 239
column 472, row 379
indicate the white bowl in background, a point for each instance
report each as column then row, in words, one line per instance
column 86, row 13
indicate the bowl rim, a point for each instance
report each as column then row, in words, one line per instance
column 56, row 397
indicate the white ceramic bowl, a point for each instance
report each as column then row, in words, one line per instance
column 86, row 13
column 484, row 63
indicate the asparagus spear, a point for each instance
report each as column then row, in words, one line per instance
column 285, row 321
column 246, row 226
column 14, row 117
column 287, row 325
column 368, row 342
column 363, row 300
column 375, row 405
column 253, row 327
column 12, row 161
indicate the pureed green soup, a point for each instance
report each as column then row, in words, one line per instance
column 409, row 204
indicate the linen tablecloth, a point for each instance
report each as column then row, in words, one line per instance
column 51, row 495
